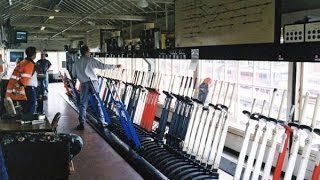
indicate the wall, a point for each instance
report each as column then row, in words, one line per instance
column 56, row 45
column 159, row 23
column 290, row 18
column 93, row 39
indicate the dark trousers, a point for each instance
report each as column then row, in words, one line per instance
column 3, row 170
column 29, row 106
column 85, row 92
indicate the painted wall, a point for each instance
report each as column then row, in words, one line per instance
column 93, row 40
column 54, row 45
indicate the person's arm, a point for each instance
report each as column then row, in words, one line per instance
column 98, row 64
column 49, row 65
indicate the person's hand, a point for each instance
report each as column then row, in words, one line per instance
column 118, row 65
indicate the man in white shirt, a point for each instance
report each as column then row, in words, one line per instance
column 83, row 69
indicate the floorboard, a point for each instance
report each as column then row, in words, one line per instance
column 97, row 160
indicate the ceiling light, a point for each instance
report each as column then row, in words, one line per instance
column 91, row 23
column 42, row 28
column 51, row 17
column 142, row 3
column 10, row 2
column 56, row 8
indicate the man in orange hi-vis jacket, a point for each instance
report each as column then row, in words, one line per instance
column 23, row 82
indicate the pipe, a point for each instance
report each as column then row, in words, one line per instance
column 166, row 12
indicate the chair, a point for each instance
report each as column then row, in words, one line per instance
column 37, row 160
column 9, row 106
column 55, row 120
column 54, row 125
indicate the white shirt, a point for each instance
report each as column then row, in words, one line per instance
column 34, row 80
column 83, row 68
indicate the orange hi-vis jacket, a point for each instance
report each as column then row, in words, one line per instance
column 19, row 79
column 1, row 68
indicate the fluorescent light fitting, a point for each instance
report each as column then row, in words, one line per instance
column 51, row 17
column 56, row 8
column 91, row 23
column 42, row 28
column 142, row 3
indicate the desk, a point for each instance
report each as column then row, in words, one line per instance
column 16, row 126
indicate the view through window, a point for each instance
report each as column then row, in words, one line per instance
column 254, row 79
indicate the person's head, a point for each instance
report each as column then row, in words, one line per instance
column 207, row 81
column 31, row 52
column 43, row 55
column 85, row 51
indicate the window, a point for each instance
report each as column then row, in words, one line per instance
column 311, row 84
column 173, row 67
column 253, row 79
column 64, row 64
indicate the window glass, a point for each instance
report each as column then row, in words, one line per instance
column 311, row 84
column 218, row 69
column 253, row 79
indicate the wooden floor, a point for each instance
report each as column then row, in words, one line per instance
column 97, row 160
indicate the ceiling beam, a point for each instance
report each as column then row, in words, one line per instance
column 62, row 26
column 77, row 15
column 46, row 32
column 157, row 1
column 61, row 36
column 34, row 38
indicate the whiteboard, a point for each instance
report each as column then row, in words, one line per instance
column 224, row 22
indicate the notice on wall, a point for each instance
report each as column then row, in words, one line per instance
column 224, row 22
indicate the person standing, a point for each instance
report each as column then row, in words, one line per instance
column 42, row 67
column 23, row 82
column 83, row 70
column 204, row 89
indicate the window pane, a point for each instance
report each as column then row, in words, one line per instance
column 232, row 71
column 206, row 69
column 311, row 84
column 176, row 67
column 218, row 70
column 254, row 79
column 262, row 73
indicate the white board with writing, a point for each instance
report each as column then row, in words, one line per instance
column 224, row 22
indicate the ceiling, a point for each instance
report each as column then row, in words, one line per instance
column 76, row 17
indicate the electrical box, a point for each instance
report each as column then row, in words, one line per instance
column 312, row 32
column 293, row 33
